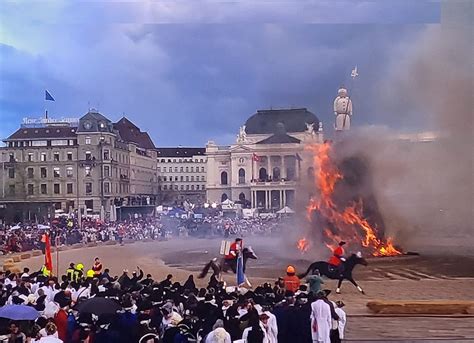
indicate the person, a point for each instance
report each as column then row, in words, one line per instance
column 166, row 283
column 97, row 267
column 342, row 319
column 50, row 332
column 234, row 249
column 291, row 281
column 218, row 334
column 315, row 281
column 70, row 272
column 16, row 336
column 338, row 257
column 189, row 284
column 78, row 272
column 320, row 319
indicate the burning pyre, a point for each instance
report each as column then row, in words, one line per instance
column 340, row 222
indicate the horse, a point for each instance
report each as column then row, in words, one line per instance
column 332, row 272
column 225, row 265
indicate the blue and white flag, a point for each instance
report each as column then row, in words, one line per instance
column 48, row 96
column 240, row 270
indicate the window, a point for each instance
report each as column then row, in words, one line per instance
column 69, row 189
column 106, row 171
column 224, row 197
column 158, row 169
column 241, row 175
column 87, row 170
column 197, row 187
column 203, row 187
column 43, row 172
column 88, row 187
column 30, row 189
column 181, row 178
column 176, row 178
column 56, row 188
column 175, row 169
column 106, row 155
column 181, row 187
column 56, row 172
column 187, row 178
column 192, row 169
column 176, row 187
column 69, row 156
column 203, row 178
column 164, row 178
column 192, row 187
column 69, row 171
column 187, row 169
column 88, row 155
column 11, row 173
column 181, row 169
column 57, row 142
column 165, row 187
column 164, row 169
column 224, row 178
column 56, row 156
column 39, row 143
column 11, row 189
column 43, row 157
column 276, row 174
column 88, row 140
column 44, row 188
column 89, row 204
column 202, row 169
column 192, row 178
column 30, row 172
column 106, row 187
column 30, row 157
column 187, row 187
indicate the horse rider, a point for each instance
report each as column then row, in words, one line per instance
column 234, row 251
column 337, row 258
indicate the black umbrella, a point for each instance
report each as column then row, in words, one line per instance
column 98, row 306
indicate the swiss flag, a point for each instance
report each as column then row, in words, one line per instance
column 255, row 157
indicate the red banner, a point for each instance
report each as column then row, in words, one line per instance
column 48, row 261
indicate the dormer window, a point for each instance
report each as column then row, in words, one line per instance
column 102, row 125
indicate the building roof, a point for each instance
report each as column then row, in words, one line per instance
column 279, row 138
column 294, row 119
column 129, row 132
column 43, row 133
column 180, row 152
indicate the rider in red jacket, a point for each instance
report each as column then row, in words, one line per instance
column 234, row 249
column 338, row 257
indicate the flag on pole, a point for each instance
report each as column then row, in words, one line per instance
column 240, row 270
column 48, row 260
column 255, row 157
column 354, row 73
column 48, row 96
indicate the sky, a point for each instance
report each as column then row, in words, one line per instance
column 192, row 71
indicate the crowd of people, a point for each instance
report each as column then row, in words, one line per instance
column 94, row 306
column 66, row 231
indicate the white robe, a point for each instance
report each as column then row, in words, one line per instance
column 321, row 314
column 342, row 321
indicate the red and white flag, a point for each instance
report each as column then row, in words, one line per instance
column 255, row 157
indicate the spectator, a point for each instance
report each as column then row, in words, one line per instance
column 291, row 281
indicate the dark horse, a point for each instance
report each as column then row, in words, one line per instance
column 225, row 265
column 329, row 271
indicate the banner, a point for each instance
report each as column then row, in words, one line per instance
column 48, row 261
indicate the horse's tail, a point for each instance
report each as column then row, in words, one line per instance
column 307, row 272
column 205, row 270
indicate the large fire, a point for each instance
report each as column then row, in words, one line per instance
column 347, row 223
column 303, row 245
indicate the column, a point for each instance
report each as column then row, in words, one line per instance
column 267, row 199
column 270, row 167
column 297, row 169
column 283, row 168
column 281, row 198
column 284, row 197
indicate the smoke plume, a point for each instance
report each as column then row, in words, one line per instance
column 425, row 189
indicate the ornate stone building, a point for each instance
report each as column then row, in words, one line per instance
column 268, row 163
column 92, row 163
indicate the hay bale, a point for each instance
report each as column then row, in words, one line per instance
column 37, row 253
column 111, row 243
column 92, row 244
column 8, row 266
column 25, row 256
column 422, row 307
column 16, row 258
column 8, row 261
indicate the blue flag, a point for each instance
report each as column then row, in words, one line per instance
column 240, row 270
column 48, row 96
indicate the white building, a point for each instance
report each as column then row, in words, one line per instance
column 268, row 163
column 181, row 174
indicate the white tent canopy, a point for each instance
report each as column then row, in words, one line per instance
column 285, row 209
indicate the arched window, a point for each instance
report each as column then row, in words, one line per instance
column 224, row 178
column 241, row 175
column 262, row 174
column 276, row 174
column 224, row 197
column 242, row 196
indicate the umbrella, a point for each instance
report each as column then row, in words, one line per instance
column 98, row 306
column 18, row 312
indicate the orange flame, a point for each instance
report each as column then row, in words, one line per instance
column 349, row 222
column 303, row 245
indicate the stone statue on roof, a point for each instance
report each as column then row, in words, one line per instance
column 310, row 128
column 242, row 136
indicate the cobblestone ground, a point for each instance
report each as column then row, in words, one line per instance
column 411, row 278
